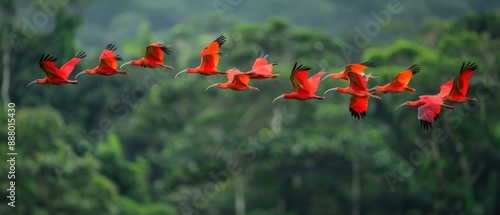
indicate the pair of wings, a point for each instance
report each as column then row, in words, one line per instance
column 210, row 54
column 358, row 105
column 237, row 78
column 48, row 64
column 461, row 82
column 402, row 79
column 429, row 112
column 261, row 67
column 303, row 85
column 108, row 61
column 154, row 51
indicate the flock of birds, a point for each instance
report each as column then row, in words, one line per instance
column 304, row 88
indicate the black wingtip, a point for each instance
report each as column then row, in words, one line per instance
column 221, row 40
column 261, row 54
column 425, row 124
column 118, row 58
column 436, row 117
column 468, row 66
column 356, row 114
column 300, row 67
column 415, row 68
column 275, row 63
column 81, row 54
column 111, row 47
column 47, row 57
column 369, row 64
column 166, row 50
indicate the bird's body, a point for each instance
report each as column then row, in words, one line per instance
column 400, row 81
column 354, row 67
column 108, row 63
column 303, row 88
column 429, row 106
column 236, row 80
column 359, row 94
column 460, row 86
column 57, row 76
column 261, row 69
column 209, row 59
column 153, row 57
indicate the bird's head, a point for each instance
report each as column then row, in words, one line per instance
column 406, row 103
column 188, row 70
column 219, row 85
column 87, row 71
column 331, row 89
column 38, row 81
column 133, row 63
column 285, row 96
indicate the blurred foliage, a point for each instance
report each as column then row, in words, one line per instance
column 149, row 144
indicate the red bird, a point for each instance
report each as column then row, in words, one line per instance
column 461, row 85
column 261, row 69
column 107, row 63
column 153, row 57
column 209, row 59
column 355, row 67
column 400, row 82
column 359, row 94
column 303, row 88
column 430, row 106
column 55, row 75
column 236, row 80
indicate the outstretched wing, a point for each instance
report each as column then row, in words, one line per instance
column 299, row 78
column 461, row 82
column 403, row 78
column 358, row 107
column 314, row 81
column 108, row 59
column 428, row 113
column 154, row 52
column 358, row 67
column 48, row 65
column 445, row 89
column 210, row 54
column 261, row 60
column 68, row 67
column 357, row 82
column 231, row 73
column 241, row 80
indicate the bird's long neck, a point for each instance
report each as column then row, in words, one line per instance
column 91, row 71
column 139, row 62
column 414, row 103
column 289, row 95
column 42, row 80
column 223, row 85
column 343, row 89
column 339, row 75
column 382, row 88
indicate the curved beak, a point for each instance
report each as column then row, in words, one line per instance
column 127, row 63
column 30, row 83
column 326, row 77
column 79, row 74
column 401, row 105
column 213, row 85
column 373, row 88
column 183, row 71
column 331, row 89
column 279, row 97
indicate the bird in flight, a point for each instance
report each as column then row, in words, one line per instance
column 303, row 88
column 209, row 58
column 236, row 80
column 57, row 76
column 153, row 57
column 400, row 81
column 261, row 69
column 108, row 63
column 460, row 86
column 354, row 67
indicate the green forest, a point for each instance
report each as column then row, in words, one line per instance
column 147, row 143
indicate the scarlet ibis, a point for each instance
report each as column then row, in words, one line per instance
column 107, row 63
column 400, row 81
column 430, row 106
column 57, row 76
column 236, row 80
column 354, row 67
column 359, row 94
column 303, row 88
column 261, row 69
column 209, row 58
column 153, row 57
column 461, row 85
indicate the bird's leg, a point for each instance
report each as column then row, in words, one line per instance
column 167, row 66
column 471, row 99
column 123, row 72
column 319, row 97
column 447, row 106
column 367, row 77
column 410, row 89
column 253, row 88
column 72, row 82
